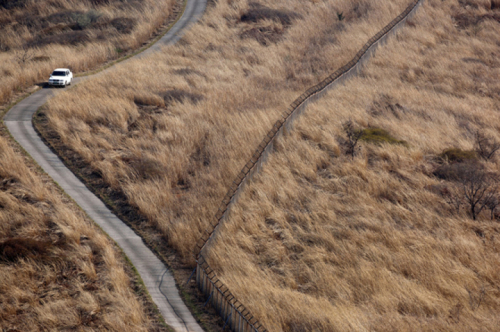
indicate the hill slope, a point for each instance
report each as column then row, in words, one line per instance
column 322, row 241
column 58, row 270
column 39, row 36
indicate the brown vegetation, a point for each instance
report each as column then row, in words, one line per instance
column 38, row 36
column 319, row 241
column 57, row 270
column 191, row 117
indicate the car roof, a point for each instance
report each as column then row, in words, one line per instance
column 61, row 69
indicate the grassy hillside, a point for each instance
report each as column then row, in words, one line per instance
column 38, row 36
column 57, row 270
column 384, row 241
column 166, row 136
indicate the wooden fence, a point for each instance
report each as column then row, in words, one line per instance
column 235, row 315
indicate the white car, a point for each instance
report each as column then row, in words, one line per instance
column 61, row 77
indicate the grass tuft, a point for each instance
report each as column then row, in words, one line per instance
column 380, row 136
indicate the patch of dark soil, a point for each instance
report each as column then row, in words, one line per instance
column 66, row 38
column 465, row 20
column 124, row 25
column 258, row 12
column 11, row 4
column 13, row 249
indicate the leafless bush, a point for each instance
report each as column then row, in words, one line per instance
column 491, row 204
column 353, row 136
column 24, row 55
column 485, row 146
column 477, row 185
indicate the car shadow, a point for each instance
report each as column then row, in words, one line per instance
column 44, row 85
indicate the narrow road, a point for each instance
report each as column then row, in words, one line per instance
column 157, row 278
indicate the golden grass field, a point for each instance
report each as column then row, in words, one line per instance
column 38, row 36
column 171, row 132
column 318, row 241
column 321, row 242
column 57, row 270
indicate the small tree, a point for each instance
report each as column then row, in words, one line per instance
column 485, row 146
column 491, row 204
column 477, row 185
column 24, row 55
column 353, row 136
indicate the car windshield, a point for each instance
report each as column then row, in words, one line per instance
column 59, row 73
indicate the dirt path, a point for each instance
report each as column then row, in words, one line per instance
column 155, row 275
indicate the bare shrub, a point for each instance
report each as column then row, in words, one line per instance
column 485, row 146
column 353, row 135
column 24, row 55
column 492, row 204
column 477, row 185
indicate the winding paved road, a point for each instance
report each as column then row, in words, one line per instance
column 157, row 278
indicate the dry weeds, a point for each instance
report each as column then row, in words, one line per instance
column 321, row 242
column 38, row 36
column 57, row 270
column 318, row 241
column 173, row 155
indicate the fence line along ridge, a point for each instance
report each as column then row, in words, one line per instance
column 235, row 315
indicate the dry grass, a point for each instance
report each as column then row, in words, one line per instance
column 57, row 270
column 320, row 242
column 170, row 133
column 38, row 36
